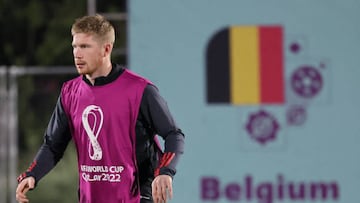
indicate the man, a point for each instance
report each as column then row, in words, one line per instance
column 112, row 114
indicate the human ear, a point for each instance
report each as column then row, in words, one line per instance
column 107, row 49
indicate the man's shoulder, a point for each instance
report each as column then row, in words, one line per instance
column 133, row 76
column 71, row 84
column 73, row 81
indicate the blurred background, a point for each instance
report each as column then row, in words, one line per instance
column 35, row 59
column 265, row 92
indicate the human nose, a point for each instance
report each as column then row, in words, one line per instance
column 76, row 52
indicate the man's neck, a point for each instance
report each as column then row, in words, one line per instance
column 102, row 72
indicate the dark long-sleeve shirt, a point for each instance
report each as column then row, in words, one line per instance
column 154, row 118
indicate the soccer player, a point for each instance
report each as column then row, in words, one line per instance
column 112, row 115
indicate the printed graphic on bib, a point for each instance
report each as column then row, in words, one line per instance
column 92, row 120
column 91, row 173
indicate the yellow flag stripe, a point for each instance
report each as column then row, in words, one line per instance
column 244, row 65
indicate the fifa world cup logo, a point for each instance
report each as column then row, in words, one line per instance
column 93, row 115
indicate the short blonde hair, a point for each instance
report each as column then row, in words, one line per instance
column 96, row 25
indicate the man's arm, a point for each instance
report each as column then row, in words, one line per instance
column 156, row 113
column 56, row 139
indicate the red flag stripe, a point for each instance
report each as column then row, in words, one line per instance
column 271, row 65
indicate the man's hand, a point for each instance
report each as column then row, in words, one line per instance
column 162, row 189
column 23, row 187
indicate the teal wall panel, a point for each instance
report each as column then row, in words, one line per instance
column 317, row 140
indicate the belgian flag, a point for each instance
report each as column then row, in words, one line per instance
column 244, row 66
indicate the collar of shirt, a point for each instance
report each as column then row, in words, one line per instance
column 115, row 72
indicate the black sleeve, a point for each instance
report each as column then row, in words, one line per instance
column 155, row 112
column 56, row 139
